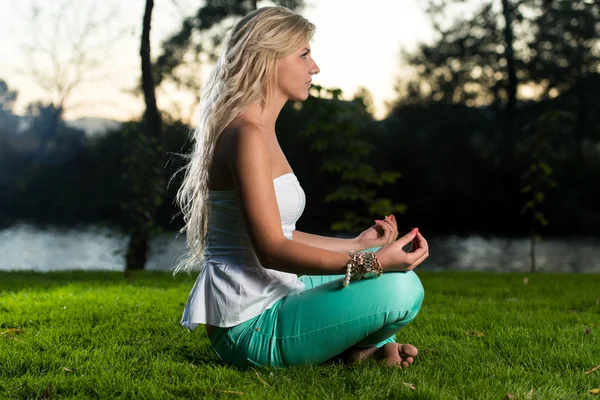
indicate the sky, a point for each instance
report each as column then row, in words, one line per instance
column 356, row 44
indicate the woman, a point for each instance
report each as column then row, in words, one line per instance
column 240, row 200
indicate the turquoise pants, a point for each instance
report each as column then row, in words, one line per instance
column 323, row 321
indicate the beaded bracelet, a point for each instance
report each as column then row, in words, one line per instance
column 362, row 265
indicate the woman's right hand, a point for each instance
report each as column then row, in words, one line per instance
column 393, row 258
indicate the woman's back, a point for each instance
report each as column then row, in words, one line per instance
column 233, row 286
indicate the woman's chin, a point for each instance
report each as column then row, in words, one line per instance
column 300, row 97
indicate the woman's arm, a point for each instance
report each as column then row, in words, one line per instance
column 249, row 161
column 382, row 233
column 328, row 243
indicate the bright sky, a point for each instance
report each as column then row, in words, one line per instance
column 356, row 44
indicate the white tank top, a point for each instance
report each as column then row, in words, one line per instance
column 232, row 286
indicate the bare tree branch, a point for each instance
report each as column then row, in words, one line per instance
column 59, row 59
column 62, row 52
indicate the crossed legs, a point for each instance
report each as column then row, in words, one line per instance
column 326, row 321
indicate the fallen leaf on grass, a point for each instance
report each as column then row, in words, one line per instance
column 510, row 396
column 412, row 386
column 589, row 371
column 259, row 378
column 11, row 330
column 525, row 281
column 594, row 391
column 46, row 394
column 67, row 369
column 228, row 391
column 477, row 334
column 530, row 394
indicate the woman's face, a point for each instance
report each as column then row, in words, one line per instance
column 294, row 73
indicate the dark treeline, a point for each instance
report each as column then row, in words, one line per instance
column 496, row 133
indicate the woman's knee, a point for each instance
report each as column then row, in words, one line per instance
column 404, row 289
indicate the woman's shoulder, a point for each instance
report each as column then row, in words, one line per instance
column 243, row 148
column 242, row 139
column 236, row 143
column 241, row 130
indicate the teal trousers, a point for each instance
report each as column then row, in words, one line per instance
column 323, row 321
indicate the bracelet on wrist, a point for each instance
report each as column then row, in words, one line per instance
column 362, row 265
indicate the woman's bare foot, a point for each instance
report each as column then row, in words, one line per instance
column 394, row 354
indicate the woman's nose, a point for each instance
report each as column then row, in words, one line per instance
column 315, row 69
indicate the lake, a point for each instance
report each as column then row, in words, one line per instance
column 25, row 247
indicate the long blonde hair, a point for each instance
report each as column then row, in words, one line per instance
column 246, row 72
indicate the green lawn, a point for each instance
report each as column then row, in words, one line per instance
column 101, row 335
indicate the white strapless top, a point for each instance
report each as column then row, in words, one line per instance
column 232, row 286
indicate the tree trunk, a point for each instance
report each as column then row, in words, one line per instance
column 137, row 252
column 51, row 129
column 507, row 171
column 532, row 244
column 511, row 105
column 152, row 118
column 140, row 232
column 584, row 62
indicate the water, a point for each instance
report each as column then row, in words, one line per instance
column 24, row 247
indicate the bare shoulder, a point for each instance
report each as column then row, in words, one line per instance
column 241, row 139
column 226, row 154
column 246, row 149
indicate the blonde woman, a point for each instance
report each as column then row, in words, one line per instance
column 240, row 200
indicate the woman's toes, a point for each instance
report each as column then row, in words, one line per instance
column 407, row 353
column 408, row 350
column 390, row 353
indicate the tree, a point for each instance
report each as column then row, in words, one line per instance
column 472, row 61
column 8, row 122
column 8, row 127
column 475, row 61
column 62, row 60
column 145, row 164
column 486, row 59
column 564, row 57
column 511, row 103
column 539, row 178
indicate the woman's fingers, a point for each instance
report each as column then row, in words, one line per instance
column 420, row 254
column 388, row 230
column 406, row 239
column 415, row 258
column 421, row 242
column 392, row 220
column 413, row 245
column 418, row 262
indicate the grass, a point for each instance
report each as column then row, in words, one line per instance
column 101, row 335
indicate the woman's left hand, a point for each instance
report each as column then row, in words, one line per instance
column 382, row 233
